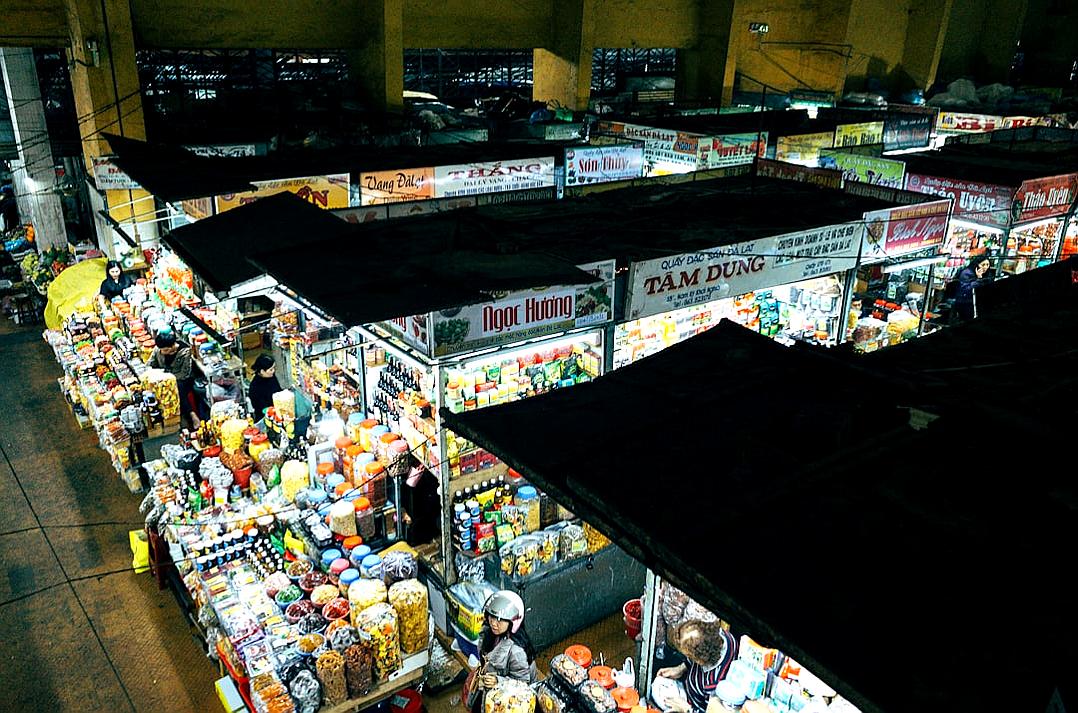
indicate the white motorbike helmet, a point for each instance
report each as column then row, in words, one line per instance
column 507, row 606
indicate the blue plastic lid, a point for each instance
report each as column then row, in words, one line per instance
column 324, row 509
column 333, row 480
column 317, row 496
column 329, row 555
column 349, row 575
column 358, row 553
column 355, row 419
column 371, row 561
column 527, row 492
column 378, row 431
column 363, row 459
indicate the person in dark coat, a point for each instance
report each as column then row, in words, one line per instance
column 115, row 281
column 264, row 385
column 969, row 279
column 421, row 504
column 174, row 356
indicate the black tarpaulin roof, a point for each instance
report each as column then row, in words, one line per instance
column 982, row 167
column 218, row 248
column 783, row 491
column 356, row 286
column 172, row 173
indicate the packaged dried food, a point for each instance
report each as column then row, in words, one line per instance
column 335, row 609
column 311, row 623
column 508, row 561
column 306, row 691
column 596, row 698
column 275, row 583
column 365, row 593
column 572, row 542
column 548, row 546
column 343, row 635
column 298, row 610
column 357, row 669
column 330, row 667
column 310, row 581
column 299, row 568
column 509, row 696
column 269, row 459
column 288, row 595
column 409, row 599
column 308, row 643
column 525, row 555
column 323, row 594
column 379, row 622
column 570, row 672
column 398, row 566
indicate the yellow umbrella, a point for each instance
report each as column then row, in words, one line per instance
column 73, row 290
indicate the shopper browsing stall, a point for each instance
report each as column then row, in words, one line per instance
column 175, row 358
column 709, row 650
column 506, row 649
column 421, row 504
column 971, row 277
column 115, row 281
column 264, row 385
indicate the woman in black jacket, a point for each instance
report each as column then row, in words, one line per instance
column 115, row 281
column 264, row 385
column 969, row 279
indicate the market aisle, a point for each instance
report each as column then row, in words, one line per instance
column 52, row 659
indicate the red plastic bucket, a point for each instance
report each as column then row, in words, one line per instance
column 632, row 612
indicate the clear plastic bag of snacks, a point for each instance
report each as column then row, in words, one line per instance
column 379, row 622
column 572, row 542
column 364, row 593
column 509, row 696
column 548, row 546
column 357, row 669
column 330, row 667
column 398, row 566
column 409, row 599
column 525, row 556
column 508, row 561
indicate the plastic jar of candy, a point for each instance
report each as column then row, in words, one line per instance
column 376, row 484
column 259, row 445
column 371, row 567
column 527, row 500
column 364, row 517
column 339, row 447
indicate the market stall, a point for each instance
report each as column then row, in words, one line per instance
column 287, row 563
column 788, row 543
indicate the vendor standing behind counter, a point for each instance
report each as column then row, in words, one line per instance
column 263, row 386
column 175, row 358
column 115, row 281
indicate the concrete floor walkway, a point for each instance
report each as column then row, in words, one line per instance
column 101, row 643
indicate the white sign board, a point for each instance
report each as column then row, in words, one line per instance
column 493, row 177
column 602, row 164
column 110, row 177
column 665, row 284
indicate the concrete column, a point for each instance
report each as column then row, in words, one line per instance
column 34, row 174
column 925, row 35
column 105, row 83
column 376, row 61
column 705, row 70
column 561, row 73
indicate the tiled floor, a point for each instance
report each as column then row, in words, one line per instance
column 52, row 660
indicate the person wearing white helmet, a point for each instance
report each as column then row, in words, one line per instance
column 505, row 647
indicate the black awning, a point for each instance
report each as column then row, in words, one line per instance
column 174, row 174
column 218, row 248
column 783, row 490
column 357, row 283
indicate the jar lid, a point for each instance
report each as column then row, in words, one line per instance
column 334, row 479
column 317, row 496
column 527, row 492
column 374, row 468
column 368, row 423
column 580, row 655
column 329, row 555
column 363, row 459
column 361, row 504
column 360, row 553
column 349, row 575
column 353, row 541
column 342, row 443
column 353, row 451
column 398, row 446
column 325, row 468
column 338, row 565
column 388, row 438
column 342, row 488
column 371, row 561
column 259, row 438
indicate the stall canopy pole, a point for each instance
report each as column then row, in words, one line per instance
column 924, row 302
column 649, row 620
column 1067, row 220
column 450, row 573
column 851, row 282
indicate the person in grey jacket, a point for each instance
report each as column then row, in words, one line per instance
column 505, row 648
